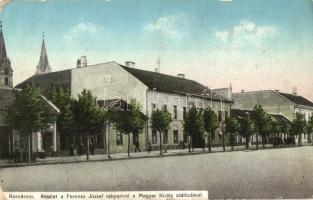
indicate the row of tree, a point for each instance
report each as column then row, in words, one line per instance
column 82, row 116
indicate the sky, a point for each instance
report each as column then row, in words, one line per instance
column 252, row 45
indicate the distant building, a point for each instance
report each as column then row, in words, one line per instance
column 6, row 72
column 152, row 90
column 274, row 102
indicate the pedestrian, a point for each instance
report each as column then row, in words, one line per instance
column 137, row 148
column 80, row 149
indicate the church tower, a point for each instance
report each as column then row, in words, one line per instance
column 6, row 72
column 43, row 65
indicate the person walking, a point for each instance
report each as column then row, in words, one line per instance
column 137, row 147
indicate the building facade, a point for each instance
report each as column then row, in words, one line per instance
column 151, row 89
column 275, row 102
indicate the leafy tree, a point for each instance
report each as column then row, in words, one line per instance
column 61, row 97
column 28, row 113
column 87, row 117
column 309, row 128
column 260, row 121
column 231, row 127
column 266, row 129
column 194, row 124
column 128, row 119
column 297, row 126
column 160, row 121
column 245, row 129
column 210, row 124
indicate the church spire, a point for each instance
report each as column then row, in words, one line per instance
column 3, row 53
column 6, row 72
column 43, row 65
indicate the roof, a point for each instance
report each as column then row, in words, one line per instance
column 46, row 81
column 297, row 99
column 170, row 84
column 275, row 116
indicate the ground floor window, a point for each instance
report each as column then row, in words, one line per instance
column 119, row 138
column 154, row 137
column 175, row 134
column 165, row 137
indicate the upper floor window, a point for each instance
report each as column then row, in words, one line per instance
column 175, row 112
column 226, row 115
column 219, row 115
column 165, row 107
column 6, row 72
column 153, row 107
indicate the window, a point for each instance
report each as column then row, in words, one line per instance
column 184, row 112
column 154, row 137
column 6, row 72
column 175, row 134
column 165, row 107
column 165, row 137
column 6, row 81
column 119, row 138
column 226, row 115
column 219, row 115
column 175, row 112
column 153, row 106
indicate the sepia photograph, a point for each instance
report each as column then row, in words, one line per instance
column 156, row 99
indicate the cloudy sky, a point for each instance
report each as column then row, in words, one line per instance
column 260, row 44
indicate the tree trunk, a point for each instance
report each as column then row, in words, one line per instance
column 247, row 142
column 223, row 138
column 209, row 141
column 128, row 145
column 160, row 142
column 257, row 137
column 299, row 139
column 87, row 150
column 263, row 141
column 189, row 145
column 30, row 147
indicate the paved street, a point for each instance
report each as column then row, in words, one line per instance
column 271, row 173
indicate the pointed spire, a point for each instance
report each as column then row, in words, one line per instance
column 43, row 65
column 3, row 53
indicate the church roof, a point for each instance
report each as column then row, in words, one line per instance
column 4, row 60
column 43, row 65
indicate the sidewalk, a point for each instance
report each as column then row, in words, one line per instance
column 123, row 156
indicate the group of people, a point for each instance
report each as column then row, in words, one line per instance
column 82, row 149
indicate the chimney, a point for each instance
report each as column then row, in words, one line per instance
column 130, row 64
column 242, row 91
column 181, row 75
column 156, row 70
column 83, row 61
column 294, row 91
column 79, row 63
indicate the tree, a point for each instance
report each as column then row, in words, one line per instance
column 61, row 97
column 128, row 119
column 28, row 113
column 260, row 121
column 309, row 128
column 194, row 125
column 266, row 129
column 87, row 117
column 210, row 124
column 160, row 121
column 297, row 126
column 231, row 127
column 245, row 129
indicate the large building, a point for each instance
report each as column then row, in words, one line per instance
column 274, row 102
column 111, row 80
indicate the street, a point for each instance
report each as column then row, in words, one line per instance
column 271, row 173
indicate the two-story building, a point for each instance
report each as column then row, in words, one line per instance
column 111, row 80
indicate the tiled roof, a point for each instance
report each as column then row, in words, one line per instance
column 46, row 81
column 167, row 83
column 297, row 99
column 275, row 117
